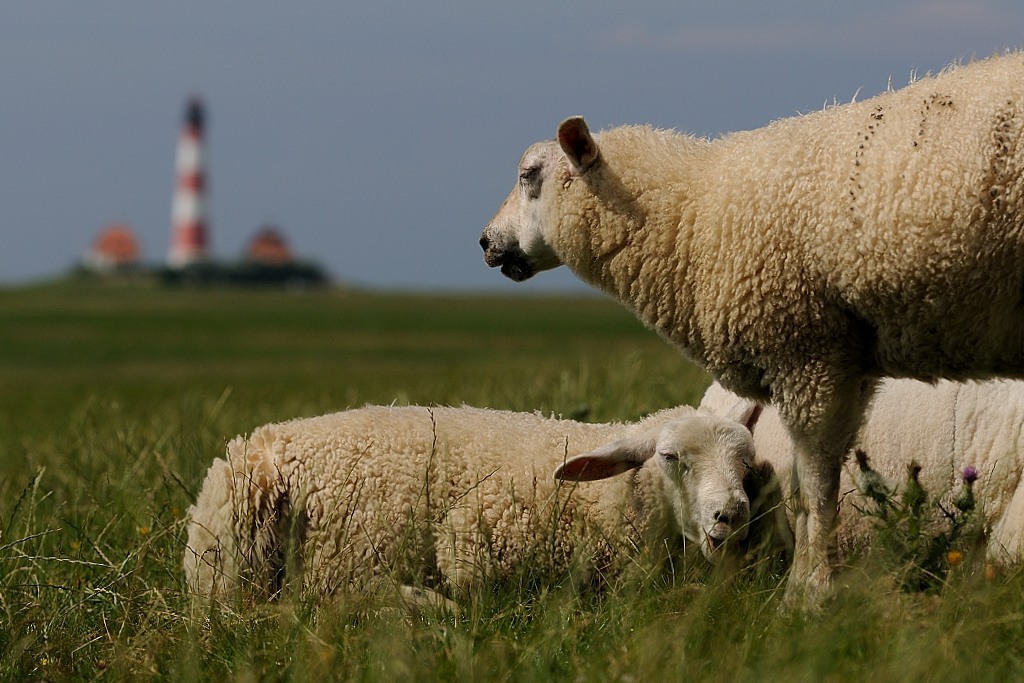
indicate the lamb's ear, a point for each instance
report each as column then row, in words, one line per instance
column 607, row 461
column 578, row 144
column 721, row 402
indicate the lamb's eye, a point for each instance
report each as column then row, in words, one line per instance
column 672, row 457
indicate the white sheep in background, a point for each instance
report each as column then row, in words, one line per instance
column 802, row 262
column 446, row 498
column 946, row 428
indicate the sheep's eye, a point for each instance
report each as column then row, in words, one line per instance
column 671, row 456
column 529, row 180
column 529, row 174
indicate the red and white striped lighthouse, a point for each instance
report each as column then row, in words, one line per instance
column 188, row 211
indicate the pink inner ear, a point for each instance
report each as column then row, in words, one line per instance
column 752, row 418
column 569, row 142
column 575, row 140
column 584, row 468
column 568, row 132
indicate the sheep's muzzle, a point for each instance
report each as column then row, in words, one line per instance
column 513, row 261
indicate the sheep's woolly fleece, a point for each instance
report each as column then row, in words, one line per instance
column 435, row 497
column 946, row 428
column 803, row 261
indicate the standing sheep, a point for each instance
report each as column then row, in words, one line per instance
column 449, row 497
column 947, row 428
column 802, row 262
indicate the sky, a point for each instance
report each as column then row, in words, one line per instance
column 381, row 137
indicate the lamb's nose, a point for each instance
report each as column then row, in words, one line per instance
column 723, row 517
column 484, row 243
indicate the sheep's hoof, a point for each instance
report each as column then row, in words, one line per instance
column 808, row 593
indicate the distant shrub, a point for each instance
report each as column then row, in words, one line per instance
column 253, row 274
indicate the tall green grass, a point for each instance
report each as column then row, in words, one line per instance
column 114, row 399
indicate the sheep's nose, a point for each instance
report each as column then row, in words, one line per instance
column 484, row 243
column 723, row 517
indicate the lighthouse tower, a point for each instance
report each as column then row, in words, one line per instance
column 188, row 211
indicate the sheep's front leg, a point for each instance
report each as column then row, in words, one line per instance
column 816, row 485
column 820, row 446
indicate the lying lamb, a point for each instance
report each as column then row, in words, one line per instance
column 802, row 262
column 446, row 498
column 946, row 428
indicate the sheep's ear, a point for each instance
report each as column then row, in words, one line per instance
column 606, row 461
column 721, row 402
column 578, row 144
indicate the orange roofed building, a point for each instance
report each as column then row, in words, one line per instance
column 269, row 247
column 115, row 248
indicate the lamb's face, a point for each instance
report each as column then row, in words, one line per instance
column 704, row 461
column 515, row 237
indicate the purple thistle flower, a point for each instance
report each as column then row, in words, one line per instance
column 965, row 501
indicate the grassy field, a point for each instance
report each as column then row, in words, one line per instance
column 115, row 398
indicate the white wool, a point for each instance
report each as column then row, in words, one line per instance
column 945, row 428
column 446, row 498
column 803, row 261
